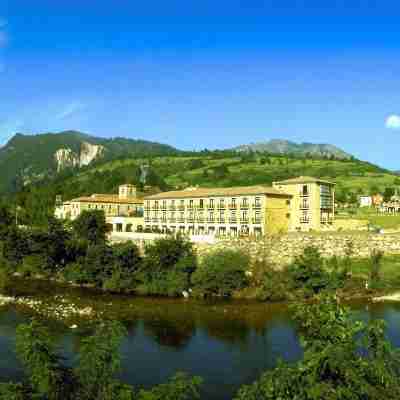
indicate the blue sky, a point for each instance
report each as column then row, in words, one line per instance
column 199, row 74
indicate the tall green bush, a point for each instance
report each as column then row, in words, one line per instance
column 343, row 359
column 221, row 272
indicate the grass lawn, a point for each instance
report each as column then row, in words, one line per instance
column 389, row 271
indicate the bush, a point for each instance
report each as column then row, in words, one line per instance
column 343, row 359
column 307, row 271
column 274, row 286
column 221, row 273
column 167, row 267
column 93, row 378
column 32, row 265
column 91, row 226
column 77, row 273
column 119, row 281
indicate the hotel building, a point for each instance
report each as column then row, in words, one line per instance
column 123, row 211
column 253, row 210
column 313, row 203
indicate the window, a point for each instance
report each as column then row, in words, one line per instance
column 304, row 190
column 201, row 203
column 190, row 203
column 257, row 201
column 211, row 203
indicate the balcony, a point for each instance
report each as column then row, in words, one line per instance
column 210, row 220
column 244, row 221
column 256, row 221
column 232, row 206
column 210, row 206
column 154, row 219
column 172, row 208
column 181, row 220
column 221, row 220
column 190, row 220
column 244, row 206
column 221, row 207
column 181, row 208
column 155, row 208
column 304, row 206
column 232, row 220
column 147, row 219
column 200, row 220
column 256, row 206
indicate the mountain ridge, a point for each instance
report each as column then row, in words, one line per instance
column 282, row 146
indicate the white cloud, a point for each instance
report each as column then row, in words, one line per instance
column 393, row 121
column 71, row 109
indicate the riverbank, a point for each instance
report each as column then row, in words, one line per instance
column 73, row 305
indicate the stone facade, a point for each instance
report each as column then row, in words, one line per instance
column 281, row 250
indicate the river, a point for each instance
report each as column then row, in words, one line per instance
column 228, row 344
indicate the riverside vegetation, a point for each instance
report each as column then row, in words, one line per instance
column 343, row 359
column 80, row 254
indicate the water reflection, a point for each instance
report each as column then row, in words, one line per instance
column 228, row 344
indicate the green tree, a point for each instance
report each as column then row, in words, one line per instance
column 6, row 220
column 221, row 272
column 388, row 193
column 333, row 367
column 91, row 226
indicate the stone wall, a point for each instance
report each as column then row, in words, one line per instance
column 281, row 250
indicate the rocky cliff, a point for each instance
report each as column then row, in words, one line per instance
column 67, row 158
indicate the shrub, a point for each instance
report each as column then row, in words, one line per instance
column 91, row 226
column 127, row 256
column 274, row 286
column 307, row 271
column 32, row 265
column 77, row 273
column 167, row 267
column 221, row 272
column 333, row 367
column 119, row 281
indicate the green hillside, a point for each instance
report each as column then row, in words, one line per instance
column 219, row 168
column 31, row 158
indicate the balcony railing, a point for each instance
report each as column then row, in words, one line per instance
column 256, row 221
column 256, row 205
column 232, row 220
column 181, row 208
column 244, row 220
column 211, row 206
column 172, row 208
column 244, row 206
column 221, row 220
column 304, row 206
column 221, row 206
column 233, row 205
column 210, row 220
